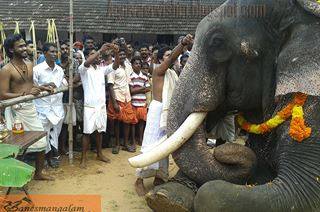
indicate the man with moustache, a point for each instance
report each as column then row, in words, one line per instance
column 50, row 108
column 16, row 79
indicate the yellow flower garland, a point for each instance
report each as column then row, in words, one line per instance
column 298, row 131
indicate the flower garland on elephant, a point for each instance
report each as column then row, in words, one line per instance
column 298, row 130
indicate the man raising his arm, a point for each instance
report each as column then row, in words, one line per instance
column 95, row 111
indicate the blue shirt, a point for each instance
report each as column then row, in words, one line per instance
column 42, row 58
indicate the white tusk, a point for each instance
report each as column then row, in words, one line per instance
column 174, row 142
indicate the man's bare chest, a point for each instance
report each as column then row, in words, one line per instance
column 19, row 77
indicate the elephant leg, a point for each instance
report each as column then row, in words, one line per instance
column 171, row 197
column 176, row 195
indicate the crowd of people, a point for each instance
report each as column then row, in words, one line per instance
column 118, row 89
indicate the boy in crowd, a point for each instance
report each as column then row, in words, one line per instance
column 164, row 80
column 139, row 86
column 144, row 51
column 93, row 82
column 183, row 61
column 145, row 70
column 119, row 107
column 30, row 50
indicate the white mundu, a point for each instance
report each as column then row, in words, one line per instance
column 95, row 111
column 50, row 109
column 27, row 114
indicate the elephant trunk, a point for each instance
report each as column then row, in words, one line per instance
column 201, row 89
column 296, row 188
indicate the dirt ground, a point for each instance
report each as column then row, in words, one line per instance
column 114, row 181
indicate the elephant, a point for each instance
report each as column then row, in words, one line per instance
column 254, row 64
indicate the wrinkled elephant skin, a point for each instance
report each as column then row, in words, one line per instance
column 241, row 63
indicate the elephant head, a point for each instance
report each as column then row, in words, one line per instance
column 241, row 61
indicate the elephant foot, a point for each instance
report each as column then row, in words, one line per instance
column 170, row 197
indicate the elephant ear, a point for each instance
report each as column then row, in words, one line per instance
column 298, row 64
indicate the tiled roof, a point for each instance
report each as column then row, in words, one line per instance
column 110, row 16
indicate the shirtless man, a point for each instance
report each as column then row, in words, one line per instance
column 16, row 79
column 158, row 111
column 168, row 58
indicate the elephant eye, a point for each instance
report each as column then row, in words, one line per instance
column 217, row 42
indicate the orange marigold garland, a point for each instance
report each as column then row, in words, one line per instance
column 298, row 130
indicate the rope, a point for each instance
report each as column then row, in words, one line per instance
column 52, row 36
column 33, row 34
column 17, row 30
column 56, row 36
column 2, row 39
column 49, row 34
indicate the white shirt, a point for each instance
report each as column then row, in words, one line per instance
column 120, row 79
column 50, row 107
column 93, row 83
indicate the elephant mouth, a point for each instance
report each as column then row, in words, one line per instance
column 167, row 146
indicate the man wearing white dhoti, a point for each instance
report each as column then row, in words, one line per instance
column 50, row 109
column 95, row 111
column 16, row 79
column 164, row 80
column 225, row 130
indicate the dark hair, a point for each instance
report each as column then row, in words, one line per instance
column 144, row 45
column 64, row 43
column 134, row 59
column 156, row 47
column 47, row 46
column 87, row 38
column 9, row 43
column 122, row 49
column 145, row 64
column 162, row 51
column 184, row 56
column 29, row 42
column 86, row 52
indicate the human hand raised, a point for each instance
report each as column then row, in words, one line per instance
column 115, row 48
column 105, row 47
column 187, row 40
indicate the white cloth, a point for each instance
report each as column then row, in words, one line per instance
column 95, row 112
column 151, row 138
column 49, row 107
column 53, row 132
column 93, row 83
column 94, row 119
column 225, row 129
column 67, row 114
column 170, row 80
column 27, row 114
column 120, row 79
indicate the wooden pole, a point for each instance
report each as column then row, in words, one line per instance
column 14, row 101
column 70, row 126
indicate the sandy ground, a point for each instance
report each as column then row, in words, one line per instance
column 114, row 181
